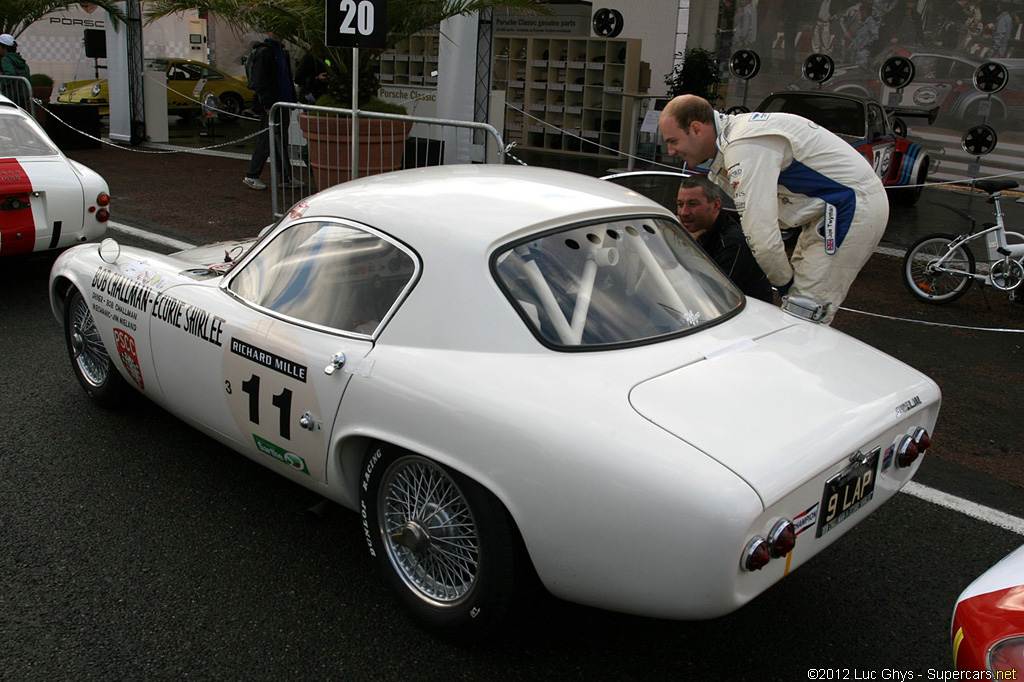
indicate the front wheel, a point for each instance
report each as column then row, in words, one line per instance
column 231, row 105
column 93, row 367
column 934, row 283
column 446, row 546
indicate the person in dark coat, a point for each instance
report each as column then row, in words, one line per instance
column 271, row 76
column 699, row 207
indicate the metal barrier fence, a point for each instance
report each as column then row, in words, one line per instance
column 19, row 90
column 313, row 151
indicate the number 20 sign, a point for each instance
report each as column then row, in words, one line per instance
column 356, row 23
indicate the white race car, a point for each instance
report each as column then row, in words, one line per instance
column 47, row 201
column 508, row 371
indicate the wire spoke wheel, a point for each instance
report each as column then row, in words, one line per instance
column 935, row 282
column 89, row 358
column 86, row 347
column 445, row 545
column 429, row 531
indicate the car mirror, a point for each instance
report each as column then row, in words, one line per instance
column 109, row 250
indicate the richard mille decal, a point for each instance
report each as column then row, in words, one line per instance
column 269, row 360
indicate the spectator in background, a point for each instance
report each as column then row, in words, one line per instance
column 13, row 64
column 311, row 77
column 902, row 26
column 1003, row 30
column 744, row 34
column 272, row 83
column 863, row 35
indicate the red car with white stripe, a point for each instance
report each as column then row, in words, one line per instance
column 988, row 622
column 47, row 201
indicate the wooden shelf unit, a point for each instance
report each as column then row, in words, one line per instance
column 570, row 84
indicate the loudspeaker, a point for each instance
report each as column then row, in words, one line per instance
column 95, row 43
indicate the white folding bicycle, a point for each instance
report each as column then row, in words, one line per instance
column 940, row 268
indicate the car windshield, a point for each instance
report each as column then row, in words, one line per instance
column 614, row 283
column 840, row 115
column 327, row 274
column 18, row 137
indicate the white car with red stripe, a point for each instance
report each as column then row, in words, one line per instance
column 47, row 201
column 988, row 622
column 509, row 371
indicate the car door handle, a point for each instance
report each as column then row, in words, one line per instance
column 337, row 362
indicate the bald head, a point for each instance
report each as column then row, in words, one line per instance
column 687, row 123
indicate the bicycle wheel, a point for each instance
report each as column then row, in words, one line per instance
column 937, row 286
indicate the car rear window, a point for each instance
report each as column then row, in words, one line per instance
column 18, row 137
column 614, row 283
column 840, row 115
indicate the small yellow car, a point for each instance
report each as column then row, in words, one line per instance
column 183, row 99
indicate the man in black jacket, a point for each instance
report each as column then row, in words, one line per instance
column 271, row 81
column 699, row 206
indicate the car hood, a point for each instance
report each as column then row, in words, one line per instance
column 217, row 254
column 779, row 408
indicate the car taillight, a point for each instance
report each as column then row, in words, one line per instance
column 103, row 199
column 103, row 215
column 782, row 539
column 922, row 440
column 756, row 555
column 906, row 452
column 1006, row 657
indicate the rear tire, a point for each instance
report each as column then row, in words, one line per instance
column 908, row 196
column 89, row 358
column 445, row 546
column 937, row 287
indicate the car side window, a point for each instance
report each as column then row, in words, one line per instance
column 211, row 75
column 327, row 274
column 876, row 122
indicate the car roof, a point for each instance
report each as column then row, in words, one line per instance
column 8, row 105
column 822, row 93
column 473, row 206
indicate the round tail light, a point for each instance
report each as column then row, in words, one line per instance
column 906, row 452
column 782, row 539
column 103, row 215
column 922, row 440
column 756, row 555
column 103, row 199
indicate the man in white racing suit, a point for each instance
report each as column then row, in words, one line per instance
column 785, row 171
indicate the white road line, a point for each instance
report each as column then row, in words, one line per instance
column 966, row 507
column 957, row 504
column 142, row 234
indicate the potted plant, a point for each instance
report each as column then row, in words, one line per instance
column 695, row 74
column 301, row 23
column 42, row 86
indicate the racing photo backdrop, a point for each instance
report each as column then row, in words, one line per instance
column 946, row 41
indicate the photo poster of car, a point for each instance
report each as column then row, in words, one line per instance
column 946, row 40
column 55, row 45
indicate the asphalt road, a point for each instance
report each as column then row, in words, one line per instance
column 135, row 548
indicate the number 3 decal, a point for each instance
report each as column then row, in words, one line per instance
column 359, row 12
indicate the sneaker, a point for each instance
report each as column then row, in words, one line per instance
column 293, row 184
column 254, row 183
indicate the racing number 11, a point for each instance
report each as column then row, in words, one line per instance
column 282, row 401
column 361, row 13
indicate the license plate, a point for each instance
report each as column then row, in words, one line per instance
column 848, row 491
